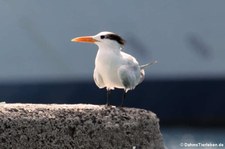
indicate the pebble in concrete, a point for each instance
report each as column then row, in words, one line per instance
column 77, row 126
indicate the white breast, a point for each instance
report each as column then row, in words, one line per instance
column 106, row 65
column 116, row 70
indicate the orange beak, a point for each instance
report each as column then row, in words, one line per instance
column 87, row 39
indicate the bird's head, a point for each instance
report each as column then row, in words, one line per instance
column 103, row 40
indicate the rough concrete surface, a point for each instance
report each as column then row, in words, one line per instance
column 78, row 126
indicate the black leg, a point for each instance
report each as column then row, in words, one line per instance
column 108, row 97
column 123, row 97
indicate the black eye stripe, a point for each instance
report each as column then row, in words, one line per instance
column 115, row 37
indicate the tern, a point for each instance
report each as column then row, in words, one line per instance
column 113, row 67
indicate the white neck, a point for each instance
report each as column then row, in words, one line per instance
column 114, row 47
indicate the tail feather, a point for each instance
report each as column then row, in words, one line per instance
column 148, row 64
column 143, row 71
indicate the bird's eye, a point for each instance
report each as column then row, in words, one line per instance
column 102, row 37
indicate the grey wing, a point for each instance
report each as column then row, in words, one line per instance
column 98, row 79
column 129, row 76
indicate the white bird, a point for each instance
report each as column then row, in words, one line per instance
column 113, row 67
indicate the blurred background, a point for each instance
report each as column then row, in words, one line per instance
column 185, row 88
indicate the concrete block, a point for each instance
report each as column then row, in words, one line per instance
column 78, row 126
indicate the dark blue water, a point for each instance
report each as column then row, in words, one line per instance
column 174, row 101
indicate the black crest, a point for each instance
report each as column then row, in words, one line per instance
column 115, row 37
